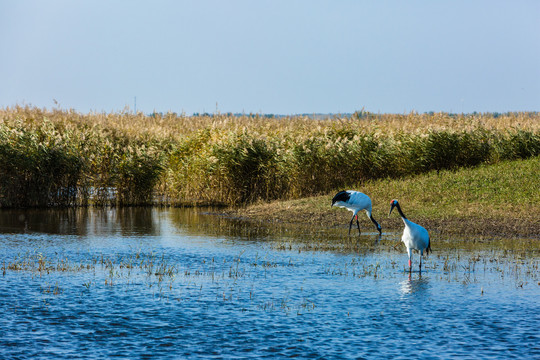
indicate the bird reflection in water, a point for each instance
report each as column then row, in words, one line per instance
column 416, row 285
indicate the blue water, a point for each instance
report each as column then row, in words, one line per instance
column 149, row 283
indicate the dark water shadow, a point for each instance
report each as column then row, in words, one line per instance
column 155, row 221
column 80, row 221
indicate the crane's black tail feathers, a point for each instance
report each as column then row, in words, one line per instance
column 428, row 249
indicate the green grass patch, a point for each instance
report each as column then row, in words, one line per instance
column 488, row 201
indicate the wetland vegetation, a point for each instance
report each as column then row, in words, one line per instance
column 61, row 157
column 474, row 174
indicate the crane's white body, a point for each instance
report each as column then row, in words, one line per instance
column 355, row 201
column 415, row 237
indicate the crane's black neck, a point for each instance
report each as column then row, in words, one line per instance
column 400, row 211
column 379, row 229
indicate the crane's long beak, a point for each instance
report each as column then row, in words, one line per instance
column 391, row 208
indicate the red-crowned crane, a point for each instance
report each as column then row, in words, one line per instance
column 355, row 201
column 415, row 237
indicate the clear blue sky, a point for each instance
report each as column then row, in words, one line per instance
column 273, row 56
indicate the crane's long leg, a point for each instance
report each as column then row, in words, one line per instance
column 350, row 224
column 358, row 225
column 410, row 262
column 421, row 253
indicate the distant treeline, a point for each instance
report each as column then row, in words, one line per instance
column 64, row 158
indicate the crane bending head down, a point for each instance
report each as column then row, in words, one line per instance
column 355, row 201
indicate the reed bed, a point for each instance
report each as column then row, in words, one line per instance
column 64, row 158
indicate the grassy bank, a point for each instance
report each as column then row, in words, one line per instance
column 64, row 158
column 488, row 201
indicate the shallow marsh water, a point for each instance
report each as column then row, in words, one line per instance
column 177, row 283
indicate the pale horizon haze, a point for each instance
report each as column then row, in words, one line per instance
column 271, row 57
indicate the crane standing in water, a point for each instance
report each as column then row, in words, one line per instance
column 415, row 237
column 355, row 201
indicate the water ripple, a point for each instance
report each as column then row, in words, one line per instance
column 242, row 299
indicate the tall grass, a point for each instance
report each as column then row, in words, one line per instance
column 38, row 168
column 53, row 159
column 64, row 158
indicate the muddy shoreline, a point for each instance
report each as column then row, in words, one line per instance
column 446, row 227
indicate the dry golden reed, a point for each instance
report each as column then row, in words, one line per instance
column 65, row 158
